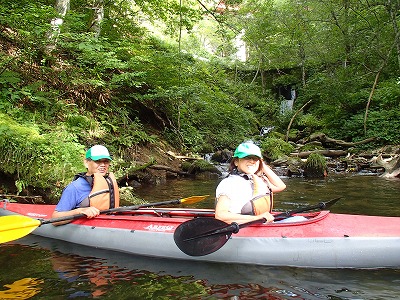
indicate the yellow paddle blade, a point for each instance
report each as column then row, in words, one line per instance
column 193, row 199
column 15, row 227
column 22, row 289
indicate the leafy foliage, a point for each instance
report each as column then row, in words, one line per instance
column 275, row 148
column 129, row 87
column 41, row 160
column 315, row 165
column 316, row 160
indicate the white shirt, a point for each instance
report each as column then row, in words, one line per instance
column 238, row 189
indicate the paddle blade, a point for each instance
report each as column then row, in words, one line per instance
column 15, row 227
column 326, row 205
column 193, row 199
column 186, row 234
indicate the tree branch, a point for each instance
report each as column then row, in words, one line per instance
column 292, row 119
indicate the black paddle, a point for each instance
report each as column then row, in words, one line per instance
column 202, row 236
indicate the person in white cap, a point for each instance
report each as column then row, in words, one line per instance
column 247, row 193
column 90, row 191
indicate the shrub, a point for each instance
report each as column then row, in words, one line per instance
column 275, row 148
column 38, row 160
column 315, row 165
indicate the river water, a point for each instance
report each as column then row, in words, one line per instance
column 40, row 268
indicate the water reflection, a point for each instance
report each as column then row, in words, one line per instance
column 24, row 288
column 83, row 272
column 83, row 269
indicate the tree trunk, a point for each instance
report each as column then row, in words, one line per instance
column 344, row 29
column 374, row 86
column 292, row 119
column 62, row 7
column 325, row 140
column 328, row 153
column 97, row 18
column 393, row 8
column 302, row 55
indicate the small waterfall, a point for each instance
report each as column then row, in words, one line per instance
column 222, row 167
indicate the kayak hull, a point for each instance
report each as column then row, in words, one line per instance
column 326, row 240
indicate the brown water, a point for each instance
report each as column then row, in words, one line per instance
column 39, row 268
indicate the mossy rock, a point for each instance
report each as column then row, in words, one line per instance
column 128, row 198
column 275, row 148
column 222, row 156
column 199, row 166
column 315, row 166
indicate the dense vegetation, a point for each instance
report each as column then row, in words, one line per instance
column 116, row 82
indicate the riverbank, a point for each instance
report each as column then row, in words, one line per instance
column 156, row 165
column 383, row 161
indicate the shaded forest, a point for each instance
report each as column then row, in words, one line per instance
column 195, row 77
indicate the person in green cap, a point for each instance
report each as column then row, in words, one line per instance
column 90, row 191
column 247, row 193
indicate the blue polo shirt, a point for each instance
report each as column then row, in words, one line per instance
column 73, row 194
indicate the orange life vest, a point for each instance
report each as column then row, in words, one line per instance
column 104, row 193
column 258, row 205
column 261, row 203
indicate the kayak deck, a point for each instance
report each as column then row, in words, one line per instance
column 317, row 224
column 323, row 240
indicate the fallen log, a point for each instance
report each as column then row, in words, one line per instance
column 328, row 153
column 170, row 153
column 391, row 165
column 169, row 169
column 327, row 140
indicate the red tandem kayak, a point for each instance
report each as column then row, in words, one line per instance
column 323, row 240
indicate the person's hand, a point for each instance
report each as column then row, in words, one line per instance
column 90, row 212
column 270, row 218
column 265, row 168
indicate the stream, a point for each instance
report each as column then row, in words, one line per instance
column 40, row 268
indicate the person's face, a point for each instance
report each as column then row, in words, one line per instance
column 248, row 164
column 97, row 166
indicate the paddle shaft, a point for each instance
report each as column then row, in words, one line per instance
column 287, row 214
column 235, row 227
column 111, row 210
column 321, row 205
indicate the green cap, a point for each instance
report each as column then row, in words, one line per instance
column 98, row 152
column 247, row 149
